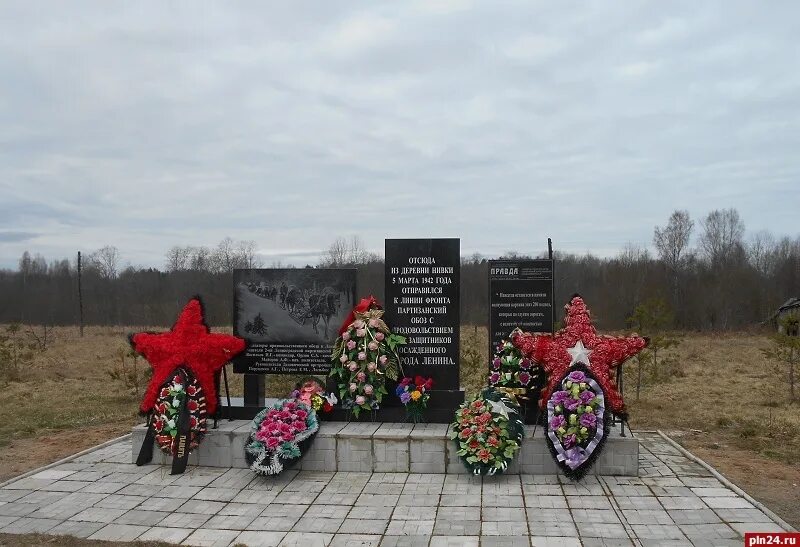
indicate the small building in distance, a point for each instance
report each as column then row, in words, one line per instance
column 790, row 307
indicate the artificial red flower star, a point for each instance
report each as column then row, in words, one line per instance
column 191, row 345
column 578, row 342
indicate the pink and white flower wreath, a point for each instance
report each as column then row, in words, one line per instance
column 276, row 435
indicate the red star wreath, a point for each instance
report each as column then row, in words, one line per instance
column 191, row 345
column 578, row 342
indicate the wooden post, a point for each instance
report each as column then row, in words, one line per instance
column 254, row 390
column 80, row 296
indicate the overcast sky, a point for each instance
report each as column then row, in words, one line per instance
column 149, row 124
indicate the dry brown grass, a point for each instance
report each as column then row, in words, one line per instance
column 65, row 388
column 725, row 386
column 727, row 392
column 730, row 407
column 726, row 403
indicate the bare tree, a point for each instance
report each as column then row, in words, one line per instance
column 633, row 266
column 741, row 292
column 474, row 258
column 632, row 254
column 59, row 268
column 761, row 251
column 336, row 255
column 515, row 255
column 105, row 261
column 178, row 258
column 223, row 259
column 200, row 259
column 39, row 265
column 348, row 252
column 722, row 235
column 672, row 241
column 247, row 255
column 25, row 262
column 356, row 252
column 231, row 254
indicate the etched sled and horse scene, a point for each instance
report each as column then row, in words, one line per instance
column 291, row 304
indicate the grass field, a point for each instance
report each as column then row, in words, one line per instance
column 722, row 400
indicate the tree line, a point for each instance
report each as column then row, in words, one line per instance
column 727, row 279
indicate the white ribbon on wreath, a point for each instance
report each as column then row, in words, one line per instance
column 262, row 453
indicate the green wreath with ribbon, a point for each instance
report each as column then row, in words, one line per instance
column 488, row 432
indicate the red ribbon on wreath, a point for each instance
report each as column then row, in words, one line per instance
column 365, row 305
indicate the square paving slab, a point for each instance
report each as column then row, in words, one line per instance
column 100, row 495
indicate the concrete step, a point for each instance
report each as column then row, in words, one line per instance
column 394, row 447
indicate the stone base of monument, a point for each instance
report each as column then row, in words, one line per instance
column 443, row 404
column 394, row 447
column 440, row 409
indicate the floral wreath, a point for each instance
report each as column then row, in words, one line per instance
column 182, row 391
column 365, row 354
column 187, row 362
column 577, row 422
column 279, row 436
column 509, row 368
column 580, row 392
column 488, row 432
column 602, row 354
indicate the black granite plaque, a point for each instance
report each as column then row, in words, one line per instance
column 422, row 304
column 290, row 317
column 520, row 295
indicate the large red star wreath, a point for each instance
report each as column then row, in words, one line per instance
column 600, row 353
column 189, row 344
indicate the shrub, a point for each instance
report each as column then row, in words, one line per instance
column 127, row 372
column 15, row 353
column 652, row 318
column 786, row 351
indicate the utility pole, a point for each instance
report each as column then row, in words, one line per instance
column 80, row 296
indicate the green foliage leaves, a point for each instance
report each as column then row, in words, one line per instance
column 652, row 318
column 394, row 340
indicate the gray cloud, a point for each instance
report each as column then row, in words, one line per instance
column 147, row 125
column 14, row 237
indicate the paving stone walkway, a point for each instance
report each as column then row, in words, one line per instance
column 101, row 495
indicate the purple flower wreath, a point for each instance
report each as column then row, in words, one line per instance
column 576, row 422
